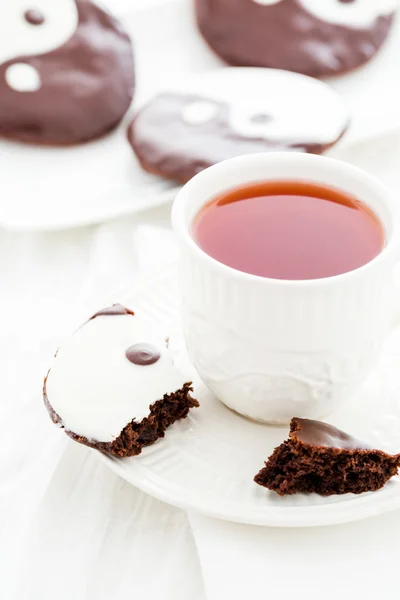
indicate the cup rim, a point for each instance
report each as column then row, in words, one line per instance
column 182, row 230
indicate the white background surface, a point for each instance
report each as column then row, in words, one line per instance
column 69, row 528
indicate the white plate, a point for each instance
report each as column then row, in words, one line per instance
column 57, row 188
column 207, row 462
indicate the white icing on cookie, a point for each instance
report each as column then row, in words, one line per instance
column 22, row 77
column 197, row 113
column 267, row 2
column 20, row 38
column 96, row 390
column 357, row 14
column 294, row 108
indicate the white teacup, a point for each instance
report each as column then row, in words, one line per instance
column 273, row 349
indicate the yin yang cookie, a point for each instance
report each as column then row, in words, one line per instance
column 66, row 71
column 113, row 385
column 234, row 111
column 314, row 37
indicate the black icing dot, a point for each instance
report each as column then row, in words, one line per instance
column 143, row 354
column 34, row 17
column 261, row 118
column 114, row 310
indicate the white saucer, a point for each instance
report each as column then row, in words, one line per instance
column 207, row 462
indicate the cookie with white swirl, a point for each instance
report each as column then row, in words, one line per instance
column 314, row 37
column 235, row 111
column 113, row 385
column 66, row 71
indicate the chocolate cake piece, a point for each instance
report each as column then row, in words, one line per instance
column 322, row 459
column 114, row 387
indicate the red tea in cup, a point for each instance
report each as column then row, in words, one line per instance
column 290, row 230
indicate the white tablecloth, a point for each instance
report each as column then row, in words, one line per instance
column 68, row 526
column 72, row 529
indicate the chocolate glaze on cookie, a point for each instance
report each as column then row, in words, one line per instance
column 34, row 17
column 113, row 311
column 143, row 354
column 178, row 135
column 68, row 78
column 313, row 37
column 317, row 433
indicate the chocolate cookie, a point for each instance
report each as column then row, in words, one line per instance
column 314, row 37
column 114, row 387
column 66, row 71
column 177, row 135
column 322, row 459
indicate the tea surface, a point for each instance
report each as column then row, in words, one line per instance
column 289, row 230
